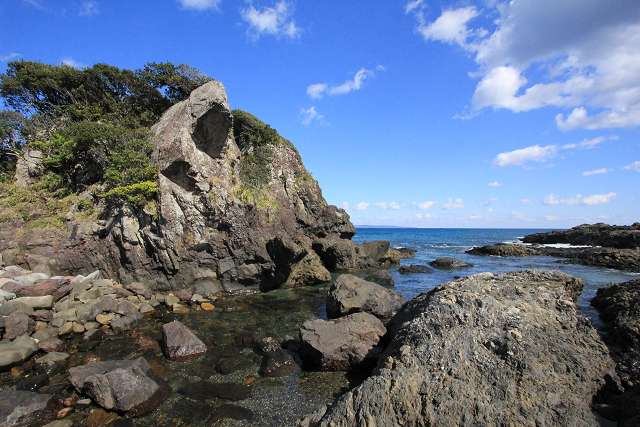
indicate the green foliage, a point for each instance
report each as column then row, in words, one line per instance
column 34, row 205
column 249, row 131
column 139, row 193
column 92, row 125
column 255, row 196
column 256, row 167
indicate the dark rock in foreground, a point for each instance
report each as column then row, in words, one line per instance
column 341, row 344
column 619, row 259
column 414, row 268
column 502, row 249
column 619, row 304
column 19, row 408
column 448, row 263
column 612, row 236
column 349, row 294
column 486, row 350
column 180, row 343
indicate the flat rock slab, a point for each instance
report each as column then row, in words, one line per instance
column 57, row 288
column 414, row 268
column 341, row 344
column 180, row 343
column 115, row 385
column 350, row 294
column 16, row 406
column 16, row 352
column 488, row 350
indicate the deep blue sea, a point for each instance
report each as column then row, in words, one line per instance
column 432, row 243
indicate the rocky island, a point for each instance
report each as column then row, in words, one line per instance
column 194, row 291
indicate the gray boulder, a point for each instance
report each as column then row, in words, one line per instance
column 18, row 324
column 127, row 322
column 449, row 263
column 488, row 350
column 14, row 306
column 350, row 294
column 341, row 344
column 17, row 351
column 117, row 385
column 503, row 249
column 414, row 268
column 140, row 289
column 180, row 343
column 306, row 272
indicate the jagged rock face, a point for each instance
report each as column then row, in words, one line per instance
column 208, row 225
column 490, row 350
column 613, row 236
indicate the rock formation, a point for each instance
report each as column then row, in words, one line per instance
column 213, row 220
column 612, row 236
column 489, row 350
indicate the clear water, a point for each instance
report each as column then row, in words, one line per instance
column 432, row 243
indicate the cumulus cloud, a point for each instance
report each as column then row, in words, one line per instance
column 89, row 8
column 596, row 172
column 457, row 204
column 318, row 90
column 582, row 55
column 10, row 57
column 385, row 205
column 310, row 115
column 200, row 4
column 495, row 184
column 633, row 166
column 361, row 206
column 519, row 157
column 275, row 21
column 488, row 202
column 526, row 202
column 596, row 199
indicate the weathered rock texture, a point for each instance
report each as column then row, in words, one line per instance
column 619, row 304
column 502, row 249
column 349, row 294
column 448, row 263
column 612, row 236
column 207, row 225
column 486, row 350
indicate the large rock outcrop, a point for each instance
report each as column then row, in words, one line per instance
column 210, row 223
column 612, row 236
column 488, row 350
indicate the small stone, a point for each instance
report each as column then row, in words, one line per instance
column 170, row 300
column 60, row 423
column 103, row 319
column 207, row 306
column 91, row 325
column 51, row 345
column 16, row 371
column 65, row 329
column 179, row 308
column 146, row 308
column 78, row 328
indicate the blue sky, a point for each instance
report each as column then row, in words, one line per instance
column 417, row 113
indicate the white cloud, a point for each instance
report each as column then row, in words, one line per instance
column 519, row 157
column 450, row 27
column 488, row 202
column 345, row 206
column 362, row 206
column 596, row 199
column 526, row 202
column 318, row 90
column 489, row 210
column 495, row 184
column 578, row 54
column 73, row 63
column 200, row 4
column 633, row 166
column 89, row 8
column 586, row 143
column 275, row 21
column 596, row 172
column 10, row 57
column 426, row 205
column 310, row 115
column 35, row 3
column 458, row 204
column 385, row 205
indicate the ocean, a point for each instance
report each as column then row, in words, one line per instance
column 432, row 243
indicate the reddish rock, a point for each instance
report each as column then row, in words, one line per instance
column 42, row 315
column 144, row 342
column 51, row 344
column 58, row 288
column 140, row 289
column 184, row 294
column 180, row 343
column 123, row 293
column 18, row 324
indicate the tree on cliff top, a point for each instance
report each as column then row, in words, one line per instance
column 91, row 124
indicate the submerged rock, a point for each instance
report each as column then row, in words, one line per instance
column 341, row 344
column 179, row 343
column 24, row 408
column 414, row 268
column 381, row 277
column 349, row 294
column 488, row 349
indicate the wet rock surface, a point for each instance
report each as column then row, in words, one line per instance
column 488, row 349
column 612, row 236
column 350, row 294
column 449, row 263
column 503, row 249
column 179, row 343
column 414, row 269
column 381, row 277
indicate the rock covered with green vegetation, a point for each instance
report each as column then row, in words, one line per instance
column 150, row 177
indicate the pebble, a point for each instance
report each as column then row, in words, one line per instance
column 65, row 329
column 103, row 319
column 78, row 328
column 62, row 413
column 207, row 306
